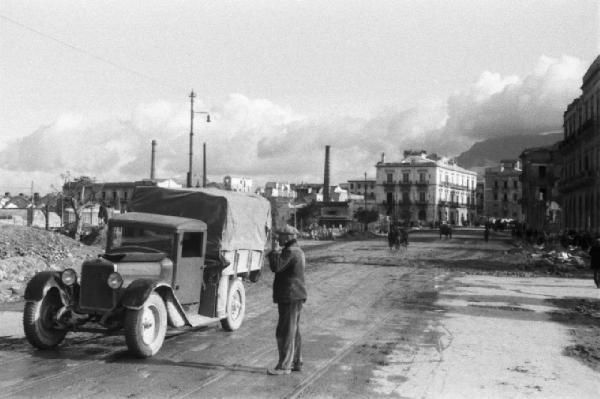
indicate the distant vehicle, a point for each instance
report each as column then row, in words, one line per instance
column 446, row 230
column 157, row 271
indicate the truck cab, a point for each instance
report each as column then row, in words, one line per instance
column 153, row 274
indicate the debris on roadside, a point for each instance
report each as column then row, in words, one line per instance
column 25, row 251
column 554, row 259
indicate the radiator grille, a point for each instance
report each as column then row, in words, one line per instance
column 95, row 294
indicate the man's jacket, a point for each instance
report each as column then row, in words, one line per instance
column 288, row 266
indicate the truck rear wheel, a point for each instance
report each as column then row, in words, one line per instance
column 236, row 306
column 146, row 327
column 39, row 321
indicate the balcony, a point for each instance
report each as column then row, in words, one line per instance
column 422, row 182
column 403, row 183
column 388, row 186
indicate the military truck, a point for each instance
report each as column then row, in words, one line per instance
column 179, row 259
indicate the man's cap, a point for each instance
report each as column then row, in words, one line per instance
column 286, row 230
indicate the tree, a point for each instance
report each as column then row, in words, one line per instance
column 308, row 214
column 366, row 216
column 79, row 193
column 49, row 204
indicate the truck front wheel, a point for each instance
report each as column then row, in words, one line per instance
column 145, row 328
column 39, row 321
column 236, row 306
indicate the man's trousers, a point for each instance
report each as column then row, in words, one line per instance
column 289, row 342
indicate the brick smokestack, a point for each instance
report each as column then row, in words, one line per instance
column 153, row 160
column 326, row 177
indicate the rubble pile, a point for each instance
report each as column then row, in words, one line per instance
column 556, row 259
column 25, row 251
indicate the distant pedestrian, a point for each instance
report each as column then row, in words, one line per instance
column 289, row 293
column 392, row 237
column 595, row 261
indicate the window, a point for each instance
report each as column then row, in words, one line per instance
column 496, row 183
column 422, row 177
column 515, row 184
column 390, row 177
column 114, row 195
column 515, row 197
column 358, row 186
column 505, row 197
column 405, row 197
column 505, row 184
column 390, row 198
column 422, row 196
column 351, row 186
column 125, row 194
column 405, row 177
column 191, row 245
column 542, row 171
column 495, row 196
column 103, row 194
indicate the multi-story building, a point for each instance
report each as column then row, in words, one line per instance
column 307, row 192
column 539, row 177
column 239, row 184
column 426, row 190
column 276, row 189
column 502, row 191
column 579, row 183
column 365, row 188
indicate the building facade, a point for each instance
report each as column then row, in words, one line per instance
column 539, row 177
column 276, row 189
column 366, row 188
column 502, row 191
column 579, row 183
column 426, row 190
column 238, row 184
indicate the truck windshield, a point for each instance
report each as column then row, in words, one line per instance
column 146, row 237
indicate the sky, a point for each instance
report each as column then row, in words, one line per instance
column 85, row 86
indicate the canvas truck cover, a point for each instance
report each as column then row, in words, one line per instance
column 234, row 220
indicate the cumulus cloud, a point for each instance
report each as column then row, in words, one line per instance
column 499, row 106
column 259, row 139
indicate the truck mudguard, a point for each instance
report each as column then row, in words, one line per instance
column 39, row 285
column 139, row 290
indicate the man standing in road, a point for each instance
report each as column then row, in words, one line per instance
column 289, row 293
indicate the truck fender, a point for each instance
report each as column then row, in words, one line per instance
column 138, row 291
column 41, row 283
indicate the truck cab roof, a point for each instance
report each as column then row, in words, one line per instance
column 175, row 223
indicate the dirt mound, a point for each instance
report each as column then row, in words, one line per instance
column 25, row 251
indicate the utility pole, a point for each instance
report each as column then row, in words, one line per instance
column 189, row 175
column 365, row 191
column 192, row 112
column 204, row 165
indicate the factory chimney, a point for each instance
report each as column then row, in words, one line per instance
column 153, row 160
column 326, row 177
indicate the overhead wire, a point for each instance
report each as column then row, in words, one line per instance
column 92, row 55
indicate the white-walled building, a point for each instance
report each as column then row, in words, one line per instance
column 426, row 190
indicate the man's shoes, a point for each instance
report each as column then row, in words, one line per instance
column 297, row 367
column 276, row 371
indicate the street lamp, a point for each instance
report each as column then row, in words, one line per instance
column 192, row 112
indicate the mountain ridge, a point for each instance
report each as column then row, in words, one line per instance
column 491, row 151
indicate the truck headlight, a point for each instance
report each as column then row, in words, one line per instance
column 68, row 277
column 114, row 281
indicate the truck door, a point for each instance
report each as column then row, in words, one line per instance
column 190, row 267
